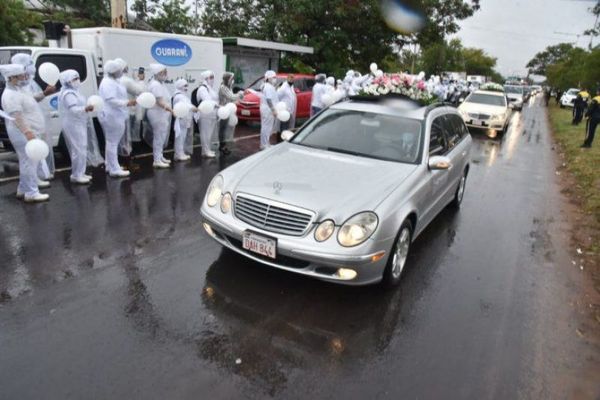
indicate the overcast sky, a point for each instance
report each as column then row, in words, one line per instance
column 515, row 30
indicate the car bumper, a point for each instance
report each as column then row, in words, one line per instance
column 567, row 103
column 485, row 124
column 299, row 255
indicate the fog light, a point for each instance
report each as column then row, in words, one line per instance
column 346, row 274
column 208, row 229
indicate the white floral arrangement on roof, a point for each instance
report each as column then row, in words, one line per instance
column 491, row 86
column 399, row 84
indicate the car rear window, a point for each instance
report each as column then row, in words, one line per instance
column 488, row 99
column 364, row 134
column 513, row 89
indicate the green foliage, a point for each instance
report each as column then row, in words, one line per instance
column 344, row 33
column 581, row 68
column 552, row 55
column 78, row 13
column 171, row 16
column 15, row 20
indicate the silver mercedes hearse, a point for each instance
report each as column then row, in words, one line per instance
column 343, row 198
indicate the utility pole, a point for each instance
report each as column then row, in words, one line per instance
column 118, row 14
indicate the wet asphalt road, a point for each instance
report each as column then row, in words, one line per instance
column 114, row 291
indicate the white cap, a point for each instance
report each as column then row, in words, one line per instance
column 270, row 74
column 10, row 70
column 207, row 74
column 121, row 62
column 67, row 76
column 180, row 83
column 21, row 58
column 330, row 81
column 111, row 66
column 157, row 68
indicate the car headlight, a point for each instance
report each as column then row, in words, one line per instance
column 215, row 191
column 357, row 229
column 226, row 203
column 324, row 230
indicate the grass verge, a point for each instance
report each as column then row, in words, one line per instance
column 583, row 165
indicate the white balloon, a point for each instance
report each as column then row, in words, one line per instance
column 49, row 73
column 233, row 120
column 37, row 149
column 224, row 112
column 146, row 100
column 207, row 106
column 181, row 109
column 232, row 107
column 327, row 99
column 373, row 68
column 379, row 73
column 96, row 102
column 283, row 115
column 281, row 106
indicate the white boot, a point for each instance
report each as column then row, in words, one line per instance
column 80, row 180
column 166, row 160
column 210, row 154
column 37, row 198
column 160, row 164
column 184, row 157
column 120, row 174
column 43, row 184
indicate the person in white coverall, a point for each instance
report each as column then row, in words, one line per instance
column 113, row 115
column 319, row 89
column 268, row 113
column 183, row 126
column 226, row 96
column 25, row 123
column 160, row 115
column 287, row 94
column 74, row 110
column 208, row 122
column 45, row 168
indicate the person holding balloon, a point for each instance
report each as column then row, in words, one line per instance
column 113, row 116
column 24, row 125
column 287, row 94
column 159, row 116
column 268, row 111
column 183, row 109
column 74, row 111
column 226, row 96
column 48, row 74
column 207, row 99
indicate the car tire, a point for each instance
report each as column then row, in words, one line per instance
column 398, row 257
column 460, row 190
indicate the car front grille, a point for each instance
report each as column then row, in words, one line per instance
column 271, row 216
column 479, row 116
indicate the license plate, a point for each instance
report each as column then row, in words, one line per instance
column 259, row 244
column 477, row 122
column 246, row 112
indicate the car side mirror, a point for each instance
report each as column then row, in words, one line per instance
column 287, row 135
column 439, row 163
column 511, row 105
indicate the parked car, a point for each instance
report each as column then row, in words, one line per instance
column 514, row 94
column 567, row 99
column 486, row 109
column 345, row 197
column 249, row 106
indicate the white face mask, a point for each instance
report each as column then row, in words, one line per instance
column 23, row 83
column 75, row 84
column 31, row 70
column 184, row 89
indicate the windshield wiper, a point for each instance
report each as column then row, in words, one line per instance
column 352, row 153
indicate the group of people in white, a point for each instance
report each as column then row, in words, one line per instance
column 120, row 107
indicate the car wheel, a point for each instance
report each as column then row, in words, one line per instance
column 399, row 255
column 460, row 191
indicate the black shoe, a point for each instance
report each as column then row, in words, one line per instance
column 585, row 146
column 225, row 151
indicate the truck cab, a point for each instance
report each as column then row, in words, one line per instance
column 80, row 60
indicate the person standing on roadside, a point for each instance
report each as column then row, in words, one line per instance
column 319, row 89
column 207, row 122
column 226, row 96
column 593, row 114
column 579, row 105
column 268, row 112
column 160, row 115
column 45, row 167
column 25, row 123
column 114, row 115
column 287, row 94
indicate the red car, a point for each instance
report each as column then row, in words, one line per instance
column 249, row 106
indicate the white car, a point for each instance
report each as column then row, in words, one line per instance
column 566, row 100
column 515, row 95
column 486, row 109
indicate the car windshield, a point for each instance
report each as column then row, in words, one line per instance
column 364, row 134
column 573, row 92
column 488, row 99
column 513, row 89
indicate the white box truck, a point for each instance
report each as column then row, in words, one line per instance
column 185, row 57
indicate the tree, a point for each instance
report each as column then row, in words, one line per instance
column 15, row 21
column 595, row 31
column 171, row 16
column 344, row 33
column 76, row 13
column 552, row 55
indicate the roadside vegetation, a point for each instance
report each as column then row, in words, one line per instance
column 584, row 166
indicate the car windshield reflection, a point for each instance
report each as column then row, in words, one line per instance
column 364, row 134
